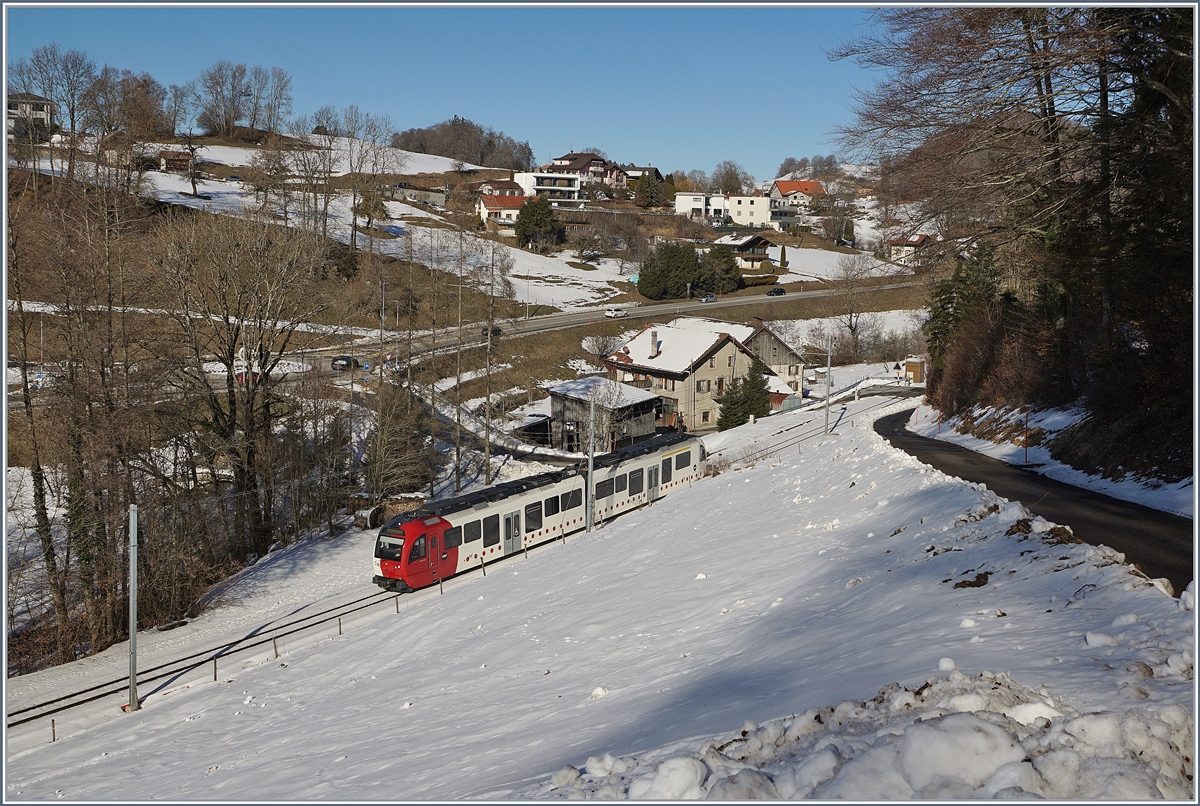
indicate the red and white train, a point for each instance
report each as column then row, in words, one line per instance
column 451, row 535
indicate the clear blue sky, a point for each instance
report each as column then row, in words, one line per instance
column 675, row 87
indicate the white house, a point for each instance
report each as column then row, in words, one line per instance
column 500, row 212
column 25, row 108
column 796, row 193
column 701, row 206
column 562, row 189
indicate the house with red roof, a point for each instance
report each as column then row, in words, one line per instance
column 500, row 212
column 796, row 193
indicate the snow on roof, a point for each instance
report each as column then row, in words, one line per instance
column 677, row 351
column 610, row 394
column 740, row 332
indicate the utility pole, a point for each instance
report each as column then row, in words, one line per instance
column 382, row 323
column 828, row 380
column 588, row 499
column 133, row 697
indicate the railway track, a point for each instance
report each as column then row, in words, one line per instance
column 195, row 661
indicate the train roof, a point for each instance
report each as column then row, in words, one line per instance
column 477, row 499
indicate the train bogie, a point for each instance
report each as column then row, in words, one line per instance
column 447, row 537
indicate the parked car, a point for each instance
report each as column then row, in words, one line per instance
column 343, row 362
column 709, row 298
column 777, row 291
column 614, row 311
column 496, row 331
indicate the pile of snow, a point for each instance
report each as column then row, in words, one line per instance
column 786, row 626
column 953, row 737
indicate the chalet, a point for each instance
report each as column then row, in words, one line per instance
column 779, row 356
column 750, row 251
column 689, row 368
column 633, row 173
column 624, row 414
column 174, row 161
column 907, row 251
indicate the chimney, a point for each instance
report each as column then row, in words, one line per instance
column 654, row 344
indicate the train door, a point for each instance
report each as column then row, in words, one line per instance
column 418, row 572
column 652, row 483
column 512, row 532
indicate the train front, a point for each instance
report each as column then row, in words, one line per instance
column 389, row 557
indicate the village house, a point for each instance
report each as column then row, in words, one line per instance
column 26, row 110
column 702, row 207
column 496, row 187
column 907, row 251
column 562, row 189
column 689, row 368
column 799, row 194
column 499, row 213
column 590, row 168
column 779, row 356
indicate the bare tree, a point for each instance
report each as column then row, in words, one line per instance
column 730, row 177
column 258, row 84
column 239, row 291
column 278, row 102
column 223, row 92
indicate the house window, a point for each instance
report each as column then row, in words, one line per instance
column 704, row 416
column 712, row 362
column 731, row 361
column 774, row 351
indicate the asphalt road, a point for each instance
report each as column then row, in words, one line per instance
column 1161, row 544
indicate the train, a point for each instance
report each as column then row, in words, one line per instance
column 447, row 536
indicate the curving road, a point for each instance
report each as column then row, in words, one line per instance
column 1161, row 544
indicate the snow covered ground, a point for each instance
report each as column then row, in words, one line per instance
column 538, row 280
column 829, row 619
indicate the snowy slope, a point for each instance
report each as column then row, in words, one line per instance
column 741, row 637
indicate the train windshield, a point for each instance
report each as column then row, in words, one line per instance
column 389, row 546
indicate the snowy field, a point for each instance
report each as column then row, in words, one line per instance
column 831, row 619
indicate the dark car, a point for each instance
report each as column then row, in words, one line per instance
column 496, row 331
column 343, row 362
column 709, row 298
column 776, row 292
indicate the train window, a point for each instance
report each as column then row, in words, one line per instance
column 682, row 460
column 605, row 488
column 418, row 549
column 533, row 516
column 571, row 499
column 471, row 532
column 666, row 470
column 622, row 482
column 701, row 451
column 454, row 537
column 388, row 547
column 491, row 530
column 635, row 481
column 551, row 506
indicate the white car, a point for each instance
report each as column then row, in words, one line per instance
column 614, row 311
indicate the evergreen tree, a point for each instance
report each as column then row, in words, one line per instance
column 719, row 271
column 749, row 396
column 667, row 270
column 783, row 264
column 536, row 224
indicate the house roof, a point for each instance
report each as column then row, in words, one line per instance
column 27, row 96
column 809, row 187
column 678, row 350
column 609, row 394
column 740, row 241
column 742, row 333
column 920, row 239
column 500, row 184
column 503, row 202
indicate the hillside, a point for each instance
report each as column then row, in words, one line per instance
column 829, row 619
